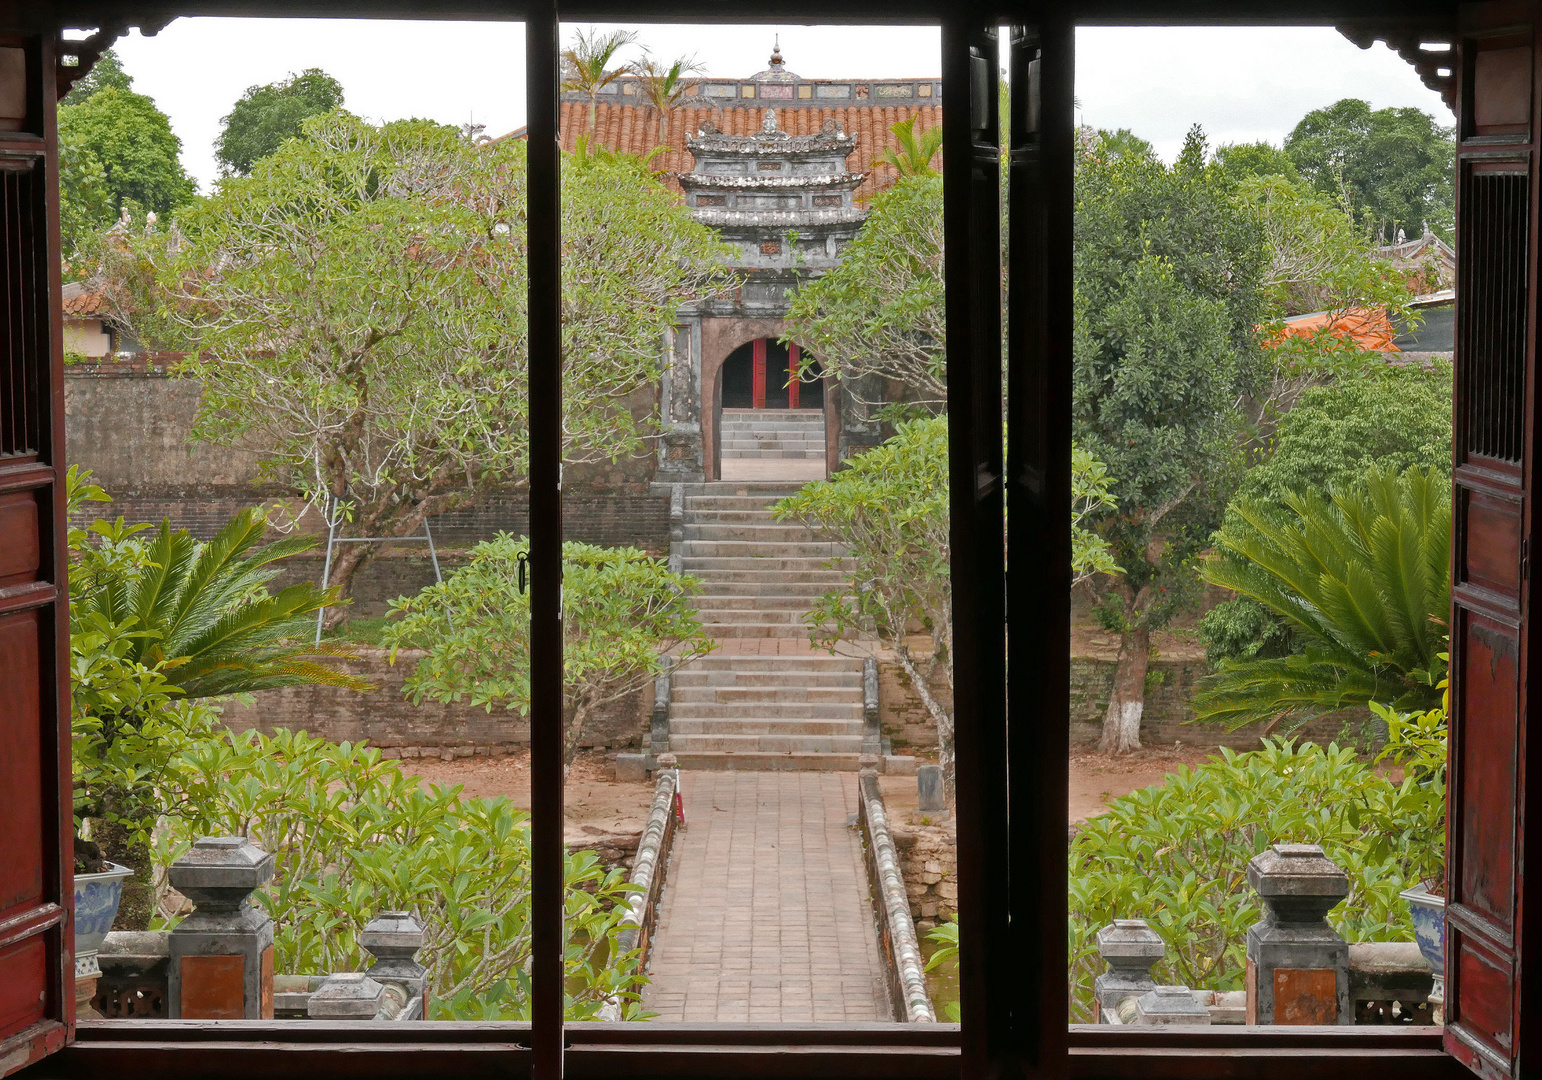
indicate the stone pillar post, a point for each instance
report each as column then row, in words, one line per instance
column 353, row 995
column 872, row 729
column 1130, row 948
column 1163, row 1005
column 221, row 956
column 1298, row 965
column 393, row 938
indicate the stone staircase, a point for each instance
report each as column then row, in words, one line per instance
column 764, row 699
column 779, row 433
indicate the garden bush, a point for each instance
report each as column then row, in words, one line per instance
column 354, row 836
column 1176, row 855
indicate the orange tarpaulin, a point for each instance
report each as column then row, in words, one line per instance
column 1367, row 327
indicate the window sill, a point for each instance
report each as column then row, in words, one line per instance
column 240, row 1049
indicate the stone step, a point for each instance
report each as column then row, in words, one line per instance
column 769, row 693
column 766, row 744
column 780, row 455
column 722, row 586
column 763, row 710
column 760, row 602
column 725, row 631
column 738, row 446
column 707, row 761
column 735, row 517
column 733, row 680
column 763, row 727
column 738, row 616
column 706, row 504
column 814, row 661
column 771, row 533
column 764, row 553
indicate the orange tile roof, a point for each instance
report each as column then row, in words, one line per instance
column 82, row 302
column 631, row 128
column 1367, row 327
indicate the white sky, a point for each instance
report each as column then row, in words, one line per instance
column 1240, row 84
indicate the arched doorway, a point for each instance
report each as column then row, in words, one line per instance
column 760, row 375
column 768, row 424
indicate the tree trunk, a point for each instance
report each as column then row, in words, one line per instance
column 1121, row 724
column 347, row 561
column 940, row 716
column 138, row 904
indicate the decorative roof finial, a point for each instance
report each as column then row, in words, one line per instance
column 776, row 52
column 768, row 125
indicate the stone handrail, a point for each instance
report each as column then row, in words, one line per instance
column 899, row 946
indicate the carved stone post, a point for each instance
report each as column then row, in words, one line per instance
column 872, row 731
column 1129, row 947
column 221, row 956
column 1298, row 965
column 393, row 938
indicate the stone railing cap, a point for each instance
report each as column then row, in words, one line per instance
column 1296, row 870
column 1130, row 938
column 392, row 931
column 222, row 862
column 347, row 995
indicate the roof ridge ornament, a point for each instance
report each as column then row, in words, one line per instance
column 768, row 124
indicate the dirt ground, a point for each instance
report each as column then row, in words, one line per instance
column 598, row 805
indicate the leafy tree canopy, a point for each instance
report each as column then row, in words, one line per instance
column 107, row 71
column 1168, row 268
column 360, row 302
column 879, row 314
column 1123, row 143
column 622, row 612
column 117, row 151
column 1243, row 161
column 1392, row 167
column 267, row 115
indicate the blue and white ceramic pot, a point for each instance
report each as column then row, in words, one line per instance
column 96, row 905
column 1429, row 919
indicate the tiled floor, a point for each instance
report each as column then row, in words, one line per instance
column 766, row 916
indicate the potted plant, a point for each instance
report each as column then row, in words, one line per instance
column 1417, row 741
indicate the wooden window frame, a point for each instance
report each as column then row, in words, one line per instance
column 1012, row 982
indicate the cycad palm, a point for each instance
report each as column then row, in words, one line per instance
column 1365, row 581
column 914, row 157
column 206, row 619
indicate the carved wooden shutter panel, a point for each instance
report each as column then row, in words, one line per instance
column 1488, row 1017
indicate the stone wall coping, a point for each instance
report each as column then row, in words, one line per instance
column 901, row 947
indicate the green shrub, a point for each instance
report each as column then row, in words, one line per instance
column 354, row 836
column 1177, row 854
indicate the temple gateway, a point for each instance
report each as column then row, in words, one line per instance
column 776, row 164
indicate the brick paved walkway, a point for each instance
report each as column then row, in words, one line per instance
column 766, row 916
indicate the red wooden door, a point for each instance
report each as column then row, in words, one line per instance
column 36, row 932
column 758, row 374
column 1491, row 1009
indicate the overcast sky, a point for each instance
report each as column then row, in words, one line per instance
column 1240, row 84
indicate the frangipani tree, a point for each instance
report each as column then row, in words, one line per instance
column 879, row 315
column 357, row 308
column 622, row 611
column 889, row 508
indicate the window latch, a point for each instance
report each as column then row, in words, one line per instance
column 523, row 561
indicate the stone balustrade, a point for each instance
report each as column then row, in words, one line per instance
column 1299, row 969
column 217, row 963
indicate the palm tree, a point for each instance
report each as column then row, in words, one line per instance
column 586, row 63
column 665, row 86
column 1363, row 578
column 914, row 157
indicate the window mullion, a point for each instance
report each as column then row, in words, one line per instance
column 971, row 226
column 542, row 220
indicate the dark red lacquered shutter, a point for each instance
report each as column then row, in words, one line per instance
column 1492, row 1007
column 36, row 935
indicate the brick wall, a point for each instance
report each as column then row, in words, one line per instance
column 928, row 856
column 131, row 424
column 385, row 718
column 906, row 722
